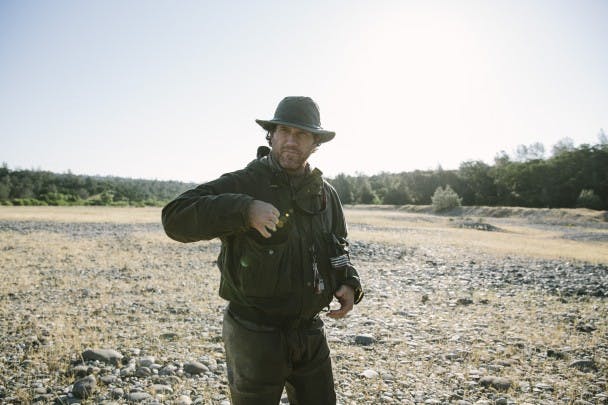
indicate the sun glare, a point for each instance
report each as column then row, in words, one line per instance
column 419, row 70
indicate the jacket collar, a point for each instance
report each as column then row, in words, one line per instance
column 311, row 180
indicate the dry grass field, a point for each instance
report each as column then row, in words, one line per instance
column 544, row 235
column 453, row 313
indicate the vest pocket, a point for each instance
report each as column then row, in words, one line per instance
column 263, row 270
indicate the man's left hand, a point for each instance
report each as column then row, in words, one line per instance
column 346, row 297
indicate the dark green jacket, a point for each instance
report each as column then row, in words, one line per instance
column 273, row 277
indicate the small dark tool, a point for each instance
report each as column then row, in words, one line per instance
column 262, row 151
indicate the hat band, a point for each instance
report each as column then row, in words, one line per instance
column 279, row 120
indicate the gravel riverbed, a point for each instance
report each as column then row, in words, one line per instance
column 117, row 313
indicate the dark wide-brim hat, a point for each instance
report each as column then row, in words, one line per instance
column 298, row 112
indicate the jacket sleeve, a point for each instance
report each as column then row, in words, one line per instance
column 340, row 230
column 211, row 210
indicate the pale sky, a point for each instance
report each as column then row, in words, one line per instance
column 170, row 89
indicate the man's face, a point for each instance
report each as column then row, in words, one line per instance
column 291, row 147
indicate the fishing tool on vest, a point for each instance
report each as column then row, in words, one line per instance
column 319, row 283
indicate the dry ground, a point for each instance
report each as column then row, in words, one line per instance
column 77, row 278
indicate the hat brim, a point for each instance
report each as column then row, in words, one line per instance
column 324, row 136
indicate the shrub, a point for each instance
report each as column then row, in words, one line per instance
column 588, row 199
column 445, row 199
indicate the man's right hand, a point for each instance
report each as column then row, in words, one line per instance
column 263, row 217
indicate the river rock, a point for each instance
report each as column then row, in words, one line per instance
column 162, row 389
column 80, row 371
column 464, row 301
column 138, row 396
column 168, row 370
column 108, row 379
column 183, row 400
column 584, row 365
column 365, row 339
column 585, row 328
column 146, row 361
column 499, row 383
column 84, row 387
column 194, row 367
column 556, row 354
column 369, row 373
column 128, row 371
column 108, row 356
column 143, row 372
column 117, row 393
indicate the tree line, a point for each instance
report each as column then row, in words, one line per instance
column 36, row 187
column 571, row 177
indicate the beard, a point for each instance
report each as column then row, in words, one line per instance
column 291, row 159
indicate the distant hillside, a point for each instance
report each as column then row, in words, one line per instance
column 34, row 187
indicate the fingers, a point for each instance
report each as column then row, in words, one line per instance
column 265, row 226
column 263, row 231
column 270, row 219
column 337, row 313
column 344, row 309
column 263, row 217
column 346, row 298
column 271, row 222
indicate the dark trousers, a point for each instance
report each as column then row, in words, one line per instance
column 261, row 360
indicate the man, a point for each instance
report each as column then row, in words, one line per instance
column 284, row 258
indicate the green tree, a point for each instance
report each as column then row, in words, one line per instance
column 588, row 199
column 478, row 184
column 533, row 151
column 444, row 198
column 344, row 187
column 107, row 197
column 501, row 159
column 397, row 193
column 562, row 146
column 5, row 189
column 422, row 185
column 364, row 192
